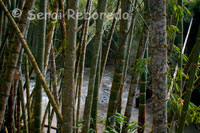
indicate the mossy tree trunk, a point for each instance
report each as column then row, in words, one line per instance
column 159, row 64
column 68, row 90
column 32, row 60
column 12, row 60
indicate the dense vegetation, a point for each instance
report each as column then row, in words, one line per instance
column 151, row 47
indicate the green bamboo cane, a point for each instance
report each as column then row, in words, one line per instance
column 142, row 99
column 37, row 97
column 102, row 6
column 32, row 59
column 68, row 86
column 13, row 57
column 119, row 62
column 24, row 116
column 189, row 85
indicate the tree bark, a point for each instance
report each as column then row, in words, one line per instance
column 12, row 60
column 68, row 89
column 33, row 61
column 159, row 64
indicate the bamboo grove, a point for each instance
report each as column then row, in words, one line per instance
column 95, row 66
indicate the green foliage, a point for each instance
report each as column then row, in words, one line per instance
column 141, row 65
column 132, row 127
column 175, row 105
column 177, row 50
column 193, row 114
column 193, row 5
column 79, row 124
column 119, row 119
column 172, row 30
column 178, row 11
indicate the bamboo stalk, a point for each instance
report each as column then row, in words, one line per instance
column 84, row 37
column 24, row 116
column 10, row 111
column 28, row 92
column 109, row 41
column 33, row 61
column 13, row 56
column 18, row 112
column 93, row 125
column 49, row 36
column 189, row 85
column 134, row 82
column 159, row 64
column 37, row 95
column 119, row 63
column 68, row 86
column 102, row 6
column 45, row 116
column 176, row 69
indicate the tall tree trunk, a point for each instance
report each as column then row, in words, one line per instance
column 10, row 112
column 80, row 62
column 159, row 64
column 143, row 80
column 119, row 108
column 84, row 36
column 142, row 99
column 180, row 45
column 134, row 82
column 69, row 69
column 37, row 111
column 54, row 83
column 32, row 60
column 49, row 37
column 28, row 92
column 102, row 5
column 12, row 61
column 119, row 62
column 18, row 112
column 109, row 41
column 1, row 25
column 189, row 85
column 24, row 116
column 93, row 125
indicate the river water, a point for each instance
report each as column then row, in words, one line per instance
column 104, row 94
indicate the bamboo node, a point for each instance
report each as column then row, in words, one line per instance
column 142, row 82
column 158, row 16
column 160, row 46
